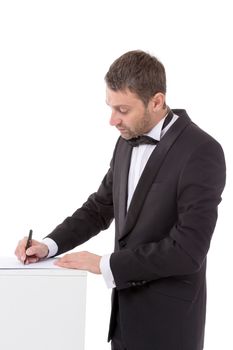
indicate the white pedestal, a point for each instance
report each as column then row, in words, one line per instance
column 42, row 309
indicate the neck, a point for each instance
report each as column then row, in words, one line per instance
column 161, row 114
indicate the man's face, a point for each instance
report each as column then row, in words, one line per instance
column 129, row 114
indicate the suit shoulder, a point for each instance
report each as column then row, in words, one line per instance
column 199, row 137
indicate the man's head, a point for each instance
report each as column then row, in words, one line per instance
column 136, row 88
column 139, row 72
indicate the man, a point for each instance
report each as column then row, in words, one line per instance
column 163, row 190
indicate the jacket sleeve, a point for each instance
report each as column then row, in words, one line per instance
column 184, row 249
column 96, row 214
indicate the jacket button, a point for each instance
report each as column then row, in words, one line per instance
column 122, row 244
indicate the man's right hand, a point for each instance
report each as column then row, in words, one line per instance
column 33, row 254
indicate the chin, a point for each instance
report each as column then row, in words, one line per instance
column 125, row 136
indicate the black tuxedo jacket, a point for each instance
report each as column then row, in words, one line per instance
column 161, row 242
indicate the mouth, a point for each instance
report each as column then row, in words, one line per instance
column 124, row 133
column 121, row 129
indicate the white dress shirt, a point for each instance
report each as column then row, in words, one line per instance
column 139, row 158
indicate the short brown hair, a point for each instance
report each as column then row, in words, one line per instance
column 138, row 71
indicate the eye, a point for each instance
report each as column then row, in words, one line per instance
column 123, row 110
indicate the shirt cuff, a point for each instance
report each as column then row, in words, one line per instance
column 52, row 246
column 106, row 271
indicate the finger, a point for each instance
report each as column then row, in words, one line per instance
column 17, row 252
column 31, row 260
column 68, row 258
column 83, row 255
column 20, row 249
column 67, row 265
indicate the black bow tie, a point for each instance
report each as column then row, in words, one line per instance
column 142, row 140
column 147, row 140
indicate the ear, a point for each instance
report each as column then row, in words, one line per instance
column 158, row 102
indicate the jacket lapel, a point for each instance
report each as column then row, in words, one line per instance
column 124, row 157
column 149, row 174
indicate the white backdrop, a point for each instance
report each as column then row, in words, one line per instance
column 55, row 139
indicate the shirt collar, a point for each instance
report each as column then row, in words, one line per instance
column 155, row 133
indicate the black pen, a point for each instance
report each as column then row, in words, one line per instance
column 28, row 244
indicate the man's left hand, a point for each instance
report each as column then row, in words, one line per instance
column 81, row 261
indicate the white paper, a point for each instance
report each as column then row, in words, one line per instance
column 14, row 263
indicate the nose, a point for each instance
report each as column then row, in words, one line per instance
column 114, row 119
